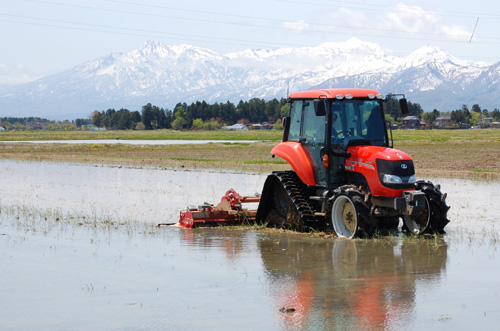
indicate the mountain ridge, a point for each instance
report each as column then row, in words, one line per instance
column 165, row 75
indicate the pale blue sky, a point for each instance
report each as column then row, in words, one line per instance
column 41, row 37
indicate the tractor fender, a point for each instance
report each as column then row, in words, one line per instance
column 296, row 155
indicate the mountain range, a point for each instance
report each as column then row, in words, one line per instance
column 165, row 75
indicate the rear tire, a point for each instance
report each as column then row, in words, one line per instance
column 349, row 215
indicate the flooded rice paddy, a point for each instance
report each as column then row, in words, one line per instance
column 78, row 251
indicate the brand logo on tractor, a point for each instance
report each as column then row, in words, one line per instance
column 404, row 166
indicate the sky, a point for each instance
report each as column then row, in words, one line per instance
column 40, row 38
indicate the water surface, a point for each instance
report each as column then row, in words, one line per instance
column 61, row 274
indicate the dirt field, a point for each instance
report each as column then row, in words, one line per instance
column 473, row 154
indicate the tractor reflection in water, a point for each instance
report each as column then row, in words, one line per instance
column 349, row 284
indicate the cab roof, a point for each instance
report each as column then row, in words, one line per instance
column 332, row 93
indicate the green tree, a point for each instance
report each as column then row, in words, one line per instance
column 392, row 108
column 278, row 125
column 431, row 117
column 495, row 114
column 198, row 123
column 415, row 109
column 147, row 116
column 180, row 121
column 285, row 110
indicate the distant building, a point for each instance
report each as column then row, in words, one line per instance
column 410, row 122
column 443, row 122
column 495, row 125
column 267, row 126
column 238, row 127
column 486, row 122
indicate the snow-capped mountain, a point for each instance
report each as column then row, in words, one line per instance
column 165, row 75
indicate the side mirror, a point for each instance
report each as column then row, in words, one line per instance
column 403, row 104
column 319, row 107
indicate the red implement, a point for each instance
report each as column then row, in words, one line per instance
column 228, row 210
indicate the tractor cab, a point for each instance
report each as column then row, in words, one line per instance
column 326, row 123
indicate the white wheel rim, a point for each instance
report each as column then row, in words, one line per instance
column 344, row 217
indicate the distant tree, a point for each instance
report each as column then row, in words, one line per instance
column 197, row 123
column 285, row 110
column 79, row 122
column 392, row 108
column 458, row 116
column 169, row 118
column 180, row 121
column 415, row 109
column 212, row 124
column 278, row 125
column 147, row 116
column 431, row 117
column 97, row 118
column 18, row 126
column 495, row 114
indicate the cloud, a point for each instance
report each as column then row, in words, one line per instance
column 13, row 75
column 411, row 19
column 297, row 25
column 398, row 20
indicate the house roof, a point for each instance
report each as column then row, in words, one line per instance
column 411, row 118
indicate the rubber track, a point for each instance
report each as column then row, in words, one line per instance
column 297, row 192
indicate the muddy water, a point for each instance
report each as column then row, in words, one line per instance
column 56, row 274
column 150, row 195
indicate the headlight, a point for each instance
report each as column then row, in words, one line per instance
column 391, row 179
column 412, row 179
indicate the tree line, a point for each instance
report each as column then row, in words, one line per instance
column 38, row 123
column 461, row 118
column 198, row 114
column 201, row 115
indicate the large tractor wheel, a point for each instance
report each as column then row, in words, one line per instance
column 417, row 224
column 349, row 215
column 437, row 206
column 434, row 219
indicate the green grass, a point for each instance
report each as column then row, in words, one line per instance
column 439, row 136
column 262, row 135
column 446, row 135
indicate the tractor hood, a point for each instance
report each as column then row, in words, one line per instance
column 387, row 171
column 368, row 154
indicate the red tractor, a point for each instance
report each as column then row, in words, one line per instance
column 346, row 176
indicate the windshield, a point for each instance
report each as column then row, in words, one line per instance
column 358, row 122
